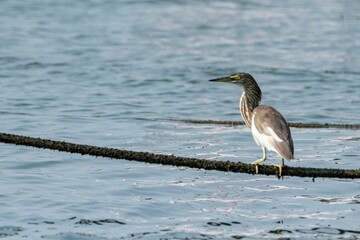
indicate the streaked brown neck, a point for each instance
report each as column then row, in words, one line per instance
column 249, row 100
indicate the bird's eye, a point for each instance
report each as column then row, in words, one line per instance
column 235, row 77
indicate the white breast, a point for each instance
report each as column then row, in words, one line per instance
column 266, row 140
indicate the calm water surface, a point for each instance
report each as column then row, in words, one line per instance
column 107, row 73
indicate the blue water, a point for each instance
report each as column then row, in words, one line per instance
column 109, row 73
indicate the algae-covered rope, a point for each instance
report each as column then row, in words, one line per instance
column 291, row 124
column 147, row 157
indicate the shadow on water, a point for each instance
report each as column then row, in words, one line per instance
column 167, row 233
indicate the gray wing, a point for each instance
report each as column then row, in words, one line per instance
column 266, row 117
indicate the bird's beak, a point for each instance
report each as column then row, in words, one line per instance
column 222, row 79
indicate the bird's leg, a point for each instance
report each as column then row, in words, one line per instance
column 259, row 160
column 280, row 166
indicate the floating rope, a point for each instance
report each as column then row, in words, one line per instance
column 295, row 125
column 147, row 157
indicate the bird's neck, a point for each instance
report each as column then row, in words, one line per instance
column 249, row 100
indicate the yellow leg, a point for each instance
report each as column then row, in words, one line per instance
column 280, row 166
column 256, row 163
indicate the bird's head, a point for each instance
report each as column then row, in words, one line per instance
column 243, row 79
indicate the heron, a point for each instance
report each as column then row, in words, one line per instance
column 268, row 126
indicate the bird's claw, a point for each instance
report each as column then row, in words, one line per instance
column 256, row 163
column 256, row 167
column 280, row 167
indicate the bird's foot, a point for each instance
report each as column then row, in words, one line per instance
column 256, row 163
column 280, row 167
column 256, row 167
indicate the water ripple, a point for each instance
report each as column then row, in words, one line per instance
column 95, row 72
